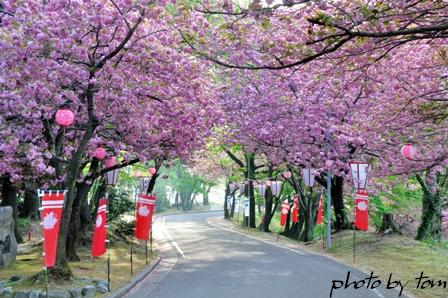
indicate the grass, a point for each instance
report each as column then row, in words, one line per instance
column 402, row 256
column 29, row 263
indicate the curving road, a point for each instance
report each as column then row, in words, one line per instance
column 203, row 260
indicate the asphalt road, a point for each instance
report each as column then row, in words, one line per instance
column 201, row 260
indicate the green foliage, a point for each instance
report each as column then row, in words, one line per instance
column 401, row 198
column 24, row 225
column 120, row 202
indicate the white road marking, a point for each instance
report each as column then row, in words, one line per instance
column 378, row 293
column 165, row 232
column 255, row 238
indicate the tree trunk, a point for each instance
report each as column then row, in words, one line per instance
column 431, row 225
column 226, row 210
column 250, row 161
column 205, row 200
column 30, row 205
column 82, row 190
column 232, row 210
column 268, row 213
column 9, row 198
column 389, row 224
column 337, row 198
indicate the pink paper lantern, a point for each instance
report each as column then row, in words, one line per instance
column 287, row 174
column 152, row 171
column 100, row 153
column 64, row 117
column 110, row 162
column 409, row 151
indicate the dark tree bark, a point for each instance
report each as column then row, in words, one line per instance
column 431, row 225
column 82, row 190
column 226, row 210
column 232, row 210
column 9, row 198
column 30, row 208
column 337, row 198
column 250, row 171
column 389, row 224
column 205, row 200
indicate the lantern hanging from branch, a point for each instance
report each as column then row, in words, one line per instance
column 110, row 162
column 409, row 151
column 112, row 175
column 261, row 189
column 144, row 183
column 100, row 153
column 276, row 187
column 232, row 186
column 308, row 175
column 359, row 174
column 152, row 171
column 64, row 117
column 242, row 187
column 287, row 174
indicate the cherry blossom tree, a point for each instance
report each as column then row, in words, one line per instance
column 117, row 66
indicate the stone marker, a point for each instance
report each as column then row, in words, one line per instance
column 6, row 292
column 8, row 243
column 88, row 291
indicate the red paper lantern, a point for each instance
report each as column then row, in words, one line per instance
column 110, row 162
column 409, row 151
column 100, row 153
column 152, row 171
column 287, row 174
column 64, row 117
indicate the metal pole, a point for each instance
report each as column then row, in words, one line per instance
column 150, row 237
column 329, row 209
column 107, row 241
column 46, row 282
column 354, row 244
column 146, row 251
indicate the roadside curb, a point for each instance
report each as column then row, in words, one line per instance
column 137, row 279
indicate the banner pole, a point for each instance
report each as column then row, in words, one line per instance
column 107, row 241
column 46, row 282
column 150, row 237
column 354, row 235
column 146, row 251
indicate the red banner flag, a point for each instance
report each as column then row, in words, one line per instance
column 284, row 212
column 143, row 220
column 51, row 213
column 361, row 210
column 295, row 210
column 100, row 230
column 319, row 211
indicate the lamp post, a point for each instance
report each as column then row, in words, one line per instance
column 111, row 179
column 359, row 172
